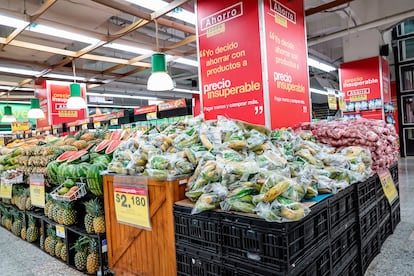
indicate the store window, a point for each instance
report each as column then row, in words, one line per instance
column 406, row 48
column 409, row 141
column 406, row 28
column 407, row 77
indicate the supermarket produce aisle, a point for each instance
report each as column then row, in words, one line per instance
column 20, row 258
column 397, row 253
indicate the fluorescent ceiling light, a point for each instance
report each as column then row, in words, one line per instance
column 19, row 71
column 322, row 92
column 182, row 60
column 155, row 5
column 112, row 106
column 12, row 22
column 120, row 96
column 62, row 34
column 15, row 102
column 186, row 91
column 65, row 77
column 128, row 48
column 319, row 65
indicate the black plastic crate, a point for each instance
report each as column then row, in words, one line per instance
column 316, row 264
column 395, row 214
column 394, row 172
column 278, row 246
column 202, row 231
column 237, row 267
column 343, row 244
column 192, row 262
column 366, row 193
column 384, row 230
column 384, row 209
column 368, row 223
column 349, row 264
column 342, row 210
column 369, row 251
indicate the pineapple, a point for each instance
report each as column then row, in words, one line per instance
column 50, row 208
column 59, row 217
column 28, row 202
column 22, row 199
column 17, row 224
column 48, row 204
column 58, row 247
column 32, row 231
column 69, row 214
column 81, row 255
column 50, row 241
column 88, row 221
column 55, row 211
column 23, row 232
column 99, row 218
column 8, row 221
column 63, row 253
column 42, row 241
column 92, row 261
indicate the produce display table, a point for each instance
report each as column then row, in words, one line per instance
column 135, row 251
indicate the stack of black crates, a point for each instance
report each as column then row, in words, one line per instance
column 341, row 236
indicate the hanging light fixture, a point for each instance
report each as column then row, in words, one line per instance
column 159, row 80
column 75, row 101
column 35, row 111
column 8, row 116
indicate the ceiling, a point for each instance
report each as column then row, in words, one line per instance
column 114, row 54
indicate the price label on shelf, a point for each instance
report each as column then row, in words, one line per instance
column 131, row 202
column 114, row 122
column 84, row 126
column 388, row 185
column 97, row 125
column 55, row 131
column 37, row 190
column 60, row 231
column 72, row 129
column 47, row 132
column 5, row 190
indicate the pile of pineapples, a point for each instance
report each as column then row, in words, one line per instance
column 21, row 198
column 61, row 212
column 86, row 257
column 54, row 245
column 15, row 222
column 94, row 219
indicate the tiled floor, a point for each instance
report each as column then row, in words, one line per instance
column 19, row 258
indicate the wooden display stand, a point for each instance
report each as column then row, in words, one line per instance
column 134, row 251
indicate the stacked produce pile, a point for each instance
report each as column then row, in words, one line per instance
column 377, row 136
column 242, row 167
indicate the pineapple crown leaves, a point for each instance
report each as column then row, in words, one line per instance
column 51, row 231
column 93, row 245
column 80, row 244
column 32, row 221
column 96, row 208
column 16, row 215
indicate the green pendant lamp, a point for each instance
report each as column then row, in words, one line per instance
column 75, row 101
column 159, row 80
column 8, row 116
column 35, row 111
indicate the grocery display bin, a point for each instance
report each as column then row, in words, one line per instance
column 135, row 251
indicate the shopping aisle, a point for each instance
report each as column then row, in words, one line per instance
column 397, row 253
column 20, row 258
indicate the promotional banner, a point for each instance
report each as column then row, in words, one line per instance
column 145, row 109
column 386, row 84
column 361, row 83
column 20, row 126
column 19, row 111
column 286, row 57
column 172, row 105
column 58, row 93
column 230, row 60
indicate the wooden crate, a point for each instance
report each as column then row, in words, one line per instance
column 134, row 251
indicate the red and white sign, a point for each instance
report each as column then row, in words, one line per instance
column 230, row 60
column 172, row 105
column 286, row 62
column 145, row 109
column 386, row 83
column 58, row 94
column 361, row 83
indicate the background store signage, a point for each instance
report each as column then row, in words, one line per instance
column 286, row 62
column 19, row 111
column 57, row 93
column 37, row 190
column 361, row 83
column 172, row 105
column 131, row 201
column 145, row 109
column 388, row 186
column 108, row 117
column 20, row 126
column 332, row 101
column 230, row 67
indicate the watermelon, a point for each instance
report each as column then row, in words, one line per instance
column 94, row 181
column 102, row 145
column 116, row 135
column 78, row 156
column 81, row 170
column 112, row 146
column 103, row 159
column 52, row 172
column 65, row 156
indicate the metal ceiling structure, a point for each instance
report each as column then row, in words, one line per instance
column 114, row 40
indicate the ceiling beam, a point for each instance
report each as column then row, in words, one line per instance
column 32, row 18
column 137, row 12
column 326, row 6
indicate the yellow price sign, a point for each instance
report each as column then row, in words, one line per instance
column 332, row 101
column 72, row 129
column 60, row 231
column 97, row 125
column 5, row 190
column 113, row 122
column 84, row 126
column 131, row 205
column 388, row 186
column 37, row 190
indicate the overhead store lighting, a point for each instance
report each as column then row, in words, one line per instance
column 34, row 27
column 8, row 116
column 12, row 22
column 186, row 91
column 127, row 48
column 155, row 5
column 320, row 65
column 120, row 96
column 35, row 111
column 185, row 61
column 75, row 101
column 19, row 71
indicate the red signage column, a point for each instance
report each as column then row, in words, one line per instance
column 230, row 60
column 253, row 61
column 286, row 56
